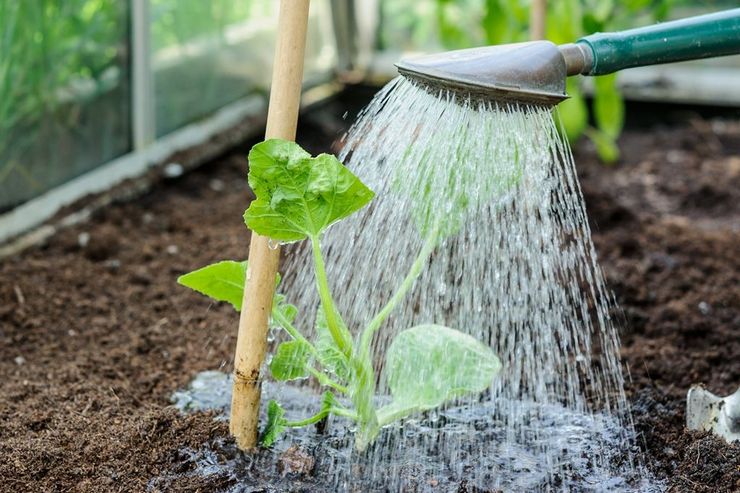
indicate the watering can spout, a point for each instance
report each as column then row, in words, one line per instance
column 532, row 72
column 535, row 72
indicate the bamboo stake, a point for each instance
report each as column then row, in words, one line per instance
column 537, row 18
column 282, row 118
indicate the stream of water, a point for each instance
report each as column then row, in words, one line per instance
column 516, row 268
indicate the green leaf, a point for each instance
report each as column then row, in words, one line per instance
column 286, row 309
column 430, row 364
column 222, row 281
column 599, row 11
column 495, row 23
column 330, row 357
column 297, row 195
column 564, row 21
column 606, row 146
column 328, row 401
column 608, row 105
column 290, row 360
column 275, row 424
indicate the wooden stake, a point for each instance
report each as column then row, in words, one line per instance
column 282, row 119
column 537, row 19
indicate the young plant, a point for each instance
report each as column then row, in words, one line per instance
column 297, row 198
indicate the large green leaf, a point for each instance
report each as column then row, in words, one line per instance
column 222, row 281
column 429, row 364
column 297, row 195
column 448, row 214
column 290, row 360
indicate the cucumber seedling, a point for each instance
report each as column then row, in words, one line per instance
column 297, row 198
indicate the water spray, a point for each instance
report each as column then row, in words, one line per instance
column 535, row 72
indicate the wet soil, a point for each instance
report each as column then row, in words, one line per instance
column 666, row 224
column 95, row 335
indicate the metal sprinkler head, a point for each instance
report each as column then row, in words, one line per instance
column 529, row 73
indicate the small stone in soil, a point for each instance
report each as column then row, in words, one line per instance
column 141, row 277
column 173, row 170
column 216, row 185
column 296, row 461
column 705, row 308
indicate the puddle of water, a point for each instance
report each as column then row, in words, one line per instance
column 486, row 458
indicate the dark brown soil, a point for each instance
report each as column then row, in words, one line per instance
column 94, row 338
column 666, row 224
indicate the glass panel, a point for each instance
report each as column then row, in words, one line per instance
column 208, row 54
column 64, row 92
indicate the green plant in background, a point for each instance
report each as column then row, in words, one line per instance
column 179, row 21
column 297, row 198
column 456, row 24
column 53, row 55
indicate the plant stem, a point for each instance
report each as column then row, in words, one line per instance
column 364, row 385
column 426, row 250
column 308, row 421
column 321, row 415
column 291, row 330
column 326, row 381
column 362, row 395
column 334, row 321
column 345, row 413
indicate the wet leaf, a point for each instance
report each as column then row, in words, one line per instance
column 430, row 364
column 297, row 195
column 222, row 281
column 330, row 357
column 290, row 360
column 286, row 309
column 275, row 424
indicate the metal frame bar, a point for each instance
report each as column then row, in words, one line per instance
column 345, row 33
column 143, row 118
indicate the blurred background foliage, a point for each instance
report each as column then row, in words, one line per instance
column 65, row 67
column 430, row 25
column 56, row 58
column 178, row 21
column 47, row 46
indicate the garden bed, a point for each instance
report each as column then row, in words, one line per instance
column 95, row 335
